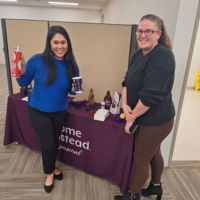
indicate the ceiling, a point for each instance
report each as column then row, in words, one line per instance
column 83, row 4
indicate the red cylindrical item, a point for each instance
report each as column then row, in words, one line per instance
column 16, row 63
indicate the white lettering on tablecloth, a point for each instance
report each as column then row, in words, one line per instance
column 73, row 137
column 78, row 153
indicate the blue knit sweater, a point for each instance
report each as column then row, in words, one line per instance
column 46, row 97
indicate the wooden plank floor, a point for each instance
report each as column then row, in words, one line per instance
column 21, row 176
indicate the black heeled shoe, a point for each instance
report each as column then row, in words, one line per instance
column 153, row 190
column 128, row 196
column 59, row 176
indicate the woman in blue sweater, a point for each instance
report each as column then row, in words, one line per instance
column 52, row 73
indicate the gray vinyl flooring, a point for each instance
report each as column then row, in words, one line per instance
column 21, row 176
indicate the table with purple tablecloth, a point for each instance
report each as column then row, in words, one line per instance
column 99, row 148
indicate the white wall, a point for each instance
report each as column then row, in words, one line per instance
column 187, row 141
column 182, row 42
column 130, row 11
column 195, row 63
column 51, row 14
column 179, row 17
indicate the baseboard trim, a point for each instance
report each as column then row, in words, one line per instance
column 190, row 87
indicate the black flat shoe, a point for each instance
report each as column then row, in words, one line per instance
column 48, row 188
column 59, row 176
column 128, row 196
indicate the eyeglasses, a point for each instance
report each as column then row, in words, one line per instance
column 147, row 32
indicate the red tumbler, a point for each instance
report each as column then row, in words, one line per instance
column 16, row 63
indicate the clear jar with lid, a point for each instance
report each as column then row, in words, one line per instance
column 102, row 105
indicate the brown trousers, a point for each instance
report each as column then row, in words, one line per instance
column 147, row 151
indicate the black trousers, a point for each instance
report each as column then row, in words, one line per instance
column 48, row 126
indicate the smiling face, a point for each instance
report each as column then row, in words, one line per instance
column 147, row 35
column 59, row 46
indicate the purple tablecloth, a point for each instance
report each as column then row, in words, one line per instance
column 100, row 148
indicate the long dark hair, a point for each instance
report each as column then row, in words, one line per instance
column 164, row 38
column 69, row 57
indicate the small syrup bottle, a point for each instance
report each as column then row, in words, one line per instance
column 90, row 102
column 108, row 100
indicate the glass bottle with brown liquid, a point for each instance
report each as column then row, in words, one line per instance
column 91, row 97
column 90, row 101
column 108, row 100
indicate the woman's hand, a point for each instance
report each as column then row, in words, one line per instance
column 23, row 65
column 127, row 111
column 128, row 126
